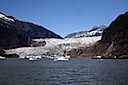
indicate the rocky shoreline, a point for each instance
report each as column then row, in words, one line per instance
column 111, row 57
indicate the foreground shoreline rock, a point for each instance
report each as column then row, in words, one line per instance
column 111, row 57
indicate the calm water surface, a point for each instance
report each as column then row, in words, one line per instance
column 76, row 71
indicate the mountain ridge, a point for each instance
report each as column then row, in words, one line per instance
column 28, row 28
column 15, row 33
column 95, row 31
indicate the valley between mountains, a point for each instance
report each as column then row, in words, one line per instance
column 24, row 38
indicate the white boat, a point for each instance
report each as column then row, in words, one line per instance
column 32, row 58
column 38, row 56
column 98, row 56
column 21, row 57
column 61, row 58
column 2, row 58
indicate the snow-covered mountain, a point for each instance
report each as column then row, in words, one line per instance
column 95, row 31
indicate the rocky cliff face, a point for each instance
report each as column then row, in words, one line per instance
column 114, row 41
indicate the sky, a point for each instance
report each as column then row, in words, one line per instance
column 65, row 16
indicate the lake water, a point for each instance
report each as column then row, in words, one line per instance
column 76, row 71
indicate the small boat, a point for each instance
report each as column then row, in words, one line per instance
column 61, row 58
column 98, row 56
column 38, row 57
column 21, row 57
column 2, row 58
column 32, row 58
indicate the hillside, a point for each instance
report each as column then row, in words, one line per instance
column 32, row 30
column 114, row 41
column 15, row 33
column 10, row 38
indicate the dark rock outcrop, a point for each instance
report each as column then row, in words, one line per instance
column 11, row 56
column 77, row 52
column 2, row 52
column 37, row 43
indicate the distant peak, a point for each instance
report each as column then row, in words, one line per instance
column 95, row 26
column 95, row 31
column 103, row 26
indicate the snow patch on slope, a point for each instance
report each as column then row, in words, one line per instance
column 5, row 18
column 95, row 31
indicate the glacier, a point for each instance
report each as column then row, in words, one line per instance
column 54, row 46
